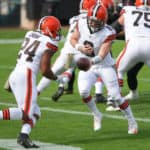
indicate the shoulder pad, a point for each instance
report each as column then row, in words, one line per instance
column 73, row 19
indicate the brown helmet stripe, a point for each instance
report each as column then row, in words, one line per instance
column 95, row 10
column 81, row 4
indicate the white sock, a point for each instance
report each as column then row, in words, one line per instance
column 11, row 114
column 1, row 115
column 26, row 128
column 15, row 113
column 92, row 106
column 44, row 83
column 128, row 114
column 98, row 87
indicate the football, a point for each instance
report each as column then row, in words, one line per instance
column 83, row 63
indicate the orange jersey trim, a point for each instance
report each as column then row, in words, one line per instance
column 28, row 97
column 121, row 55
column 51, row 46
column 110, row 38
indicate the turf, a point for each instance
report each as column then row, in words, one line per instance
column 76, row 129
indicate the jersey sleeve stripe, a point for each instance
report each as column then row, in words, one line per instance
column 51, row 46
column 110, row 38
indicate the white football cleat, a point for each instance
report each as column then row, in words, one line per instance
column 112, row 108
column 97, row 122
column 112, row 105
column 132, row 95
column 133, row 128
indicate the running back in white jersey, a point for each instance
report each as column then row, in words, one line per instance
column 33, row 47
column 136, row 22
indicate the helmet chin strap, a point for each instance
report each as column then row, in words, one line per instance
column 92, row 29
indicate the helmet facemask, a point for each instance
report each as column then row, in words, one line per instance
column 94, row 24
column 97, row 17
column 54, row 35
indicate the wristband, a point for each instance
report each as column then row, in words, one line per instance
column 78, row 46
column 96, row 59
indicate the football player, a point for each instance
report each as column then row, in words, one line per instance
column 35, row 54
column 133, row 72
column 101, row 35
column 113, row 14
column 136, row 30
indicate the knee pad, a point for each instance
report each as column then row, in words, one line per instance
column 84, row 94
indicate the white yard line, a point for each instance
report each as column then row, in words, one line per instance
column 80, row 113
column 18, row 41
column 11, row 144
column 6, row 67
column 10, row 41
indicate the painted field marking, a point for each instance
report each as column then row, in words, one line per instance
column 10, row 41
column 18, row 41
column 80, row 113
column 11, row 144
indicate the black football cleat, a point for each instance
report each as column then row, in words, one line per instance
column 68, row 91
column 24, row 140
column 99, row 98
column 58, row 94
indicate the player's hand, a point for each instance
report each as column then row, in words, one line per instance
column 86, row 49
column 60, row 79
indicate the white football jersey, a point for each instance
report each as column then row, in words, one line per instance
column 96, row 39
column 33, row 47
column 136, row 22
column 68, row 48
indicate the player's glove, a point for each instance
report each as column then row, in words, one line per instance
column 61, row 79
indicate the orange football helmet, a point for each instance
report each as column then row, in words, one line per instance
column 142, row 3
column 85, row 5
column 50, row 26
column 97, row 17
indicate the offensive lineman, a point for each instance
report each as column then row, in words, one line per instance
column 135, row 20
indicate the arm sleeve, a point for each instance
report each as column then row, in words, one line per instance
column 117, row 26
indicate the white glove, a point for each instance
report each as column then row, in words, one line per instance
column 59, row 79
column 62, row 79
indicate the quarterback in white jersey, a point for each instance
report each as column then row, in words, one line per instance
column 100, row 36
column 136, row 23
column 35, row 54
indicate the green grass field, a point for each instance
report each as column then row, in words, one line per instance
column 61, row 124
